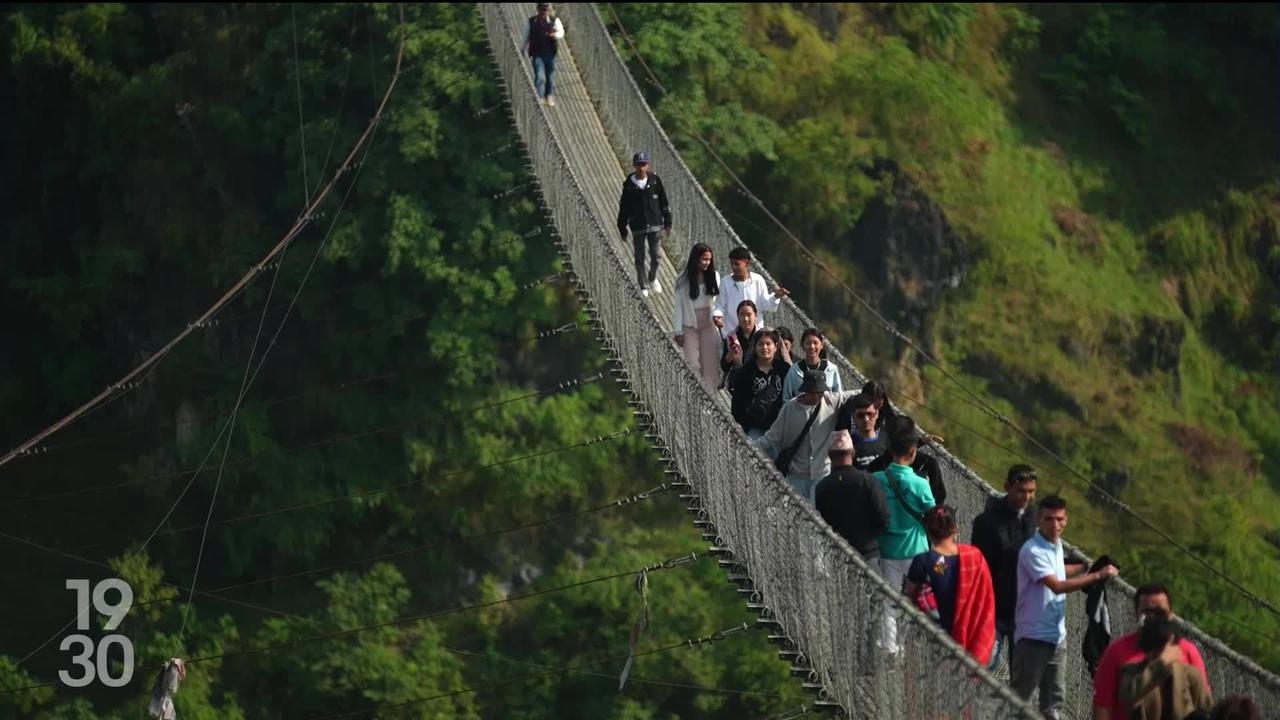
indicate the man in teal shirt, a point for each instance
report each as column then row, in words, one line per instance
column 908, row 496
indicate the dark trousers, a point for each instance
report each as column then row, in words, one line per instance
column 638, row 242
column 1037, row 664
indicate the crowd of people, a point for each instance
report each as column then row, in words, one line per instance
column 860, row 464
column 861, row 467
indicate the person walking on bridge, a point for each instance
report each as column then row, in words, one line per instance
column 1149, row 601
column 815, row 359
column 541, row 38
column 1040, row 622
column 999, row 532
column 801, row 438
column 851, row 501
column 756, row 388
column 691, row 302
column 956, row 577
column 643, row 207
column 908, row 496
column 858, row 416
column 737, row 346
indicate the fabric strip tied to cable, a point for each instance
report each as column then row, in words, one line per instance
column 642, row 614
column 638, row 627
column 166, row 686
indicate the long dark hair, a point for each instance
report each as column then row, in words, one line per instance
column 709, row 278
column 822, row 354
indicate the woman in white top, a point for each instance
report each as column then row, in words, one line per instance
column 692, row 302
column 814, row 347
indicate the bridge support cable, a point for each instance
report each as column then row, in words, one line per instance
column 809, row 586
column 128, row 380
column 609, row 93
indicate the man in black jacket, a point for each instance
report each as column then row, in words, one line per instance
column 850, row 500
column 999, row 532
column 643, row 207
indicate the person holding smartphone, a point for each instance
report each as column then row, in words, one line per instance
column 738, row 344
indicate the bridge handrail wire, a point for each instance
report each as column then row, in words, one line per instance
column 822, row 592
column 630, row 123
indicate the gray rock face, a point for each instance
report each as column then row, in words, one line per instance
column 907, row 251
column 1157, row 347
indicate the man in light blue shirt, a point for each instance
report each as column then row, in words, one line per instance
column 1040, row 622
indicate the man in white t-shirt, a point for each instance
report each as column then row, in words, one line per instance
column 1040, row 622
column 742, row 284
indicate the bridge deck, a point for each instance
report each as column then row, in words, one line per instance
column 821, row 594
column 599, row 168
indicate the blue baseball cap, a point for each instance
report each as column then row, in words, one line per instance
column 640, row 158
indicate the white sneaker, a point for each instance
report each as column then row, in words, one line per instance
column 644, row 292
column 657, row 286
column 551, row 100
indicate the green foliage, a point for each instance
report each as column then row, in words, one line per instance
column 389, row 665
column 1111, row 53
column 934, row 29
column 709, row 76
column 1110, row 172
column 20, row 703
column 173, row 134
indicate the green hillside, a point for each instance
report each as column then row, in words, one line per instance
column 1106, row 273
column 1075, row 208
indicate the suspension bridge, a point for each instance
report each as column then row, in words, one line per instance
column 816, row 597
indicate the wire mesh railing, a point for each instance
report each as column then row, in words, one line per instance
column 822, row 592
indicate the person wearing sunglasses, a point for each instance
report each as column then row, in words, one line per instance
column 858, row 416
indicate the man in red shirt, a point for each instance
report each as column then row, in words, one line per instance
column 1149, row 600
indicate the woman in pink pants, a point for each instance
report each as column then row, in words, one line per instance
column 693, row 300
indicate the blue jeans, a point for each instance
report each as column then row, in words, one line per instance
column 543, row 65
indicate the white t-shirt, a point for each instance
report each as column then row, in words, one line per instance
column 733, row 292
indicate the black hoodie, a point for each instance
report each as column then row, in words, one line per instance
column 999, row 533
column 853, row 504
column 756, row 395
column 643, row 209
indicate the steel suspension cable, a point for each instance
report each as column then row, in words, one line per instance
column 909, row 342
column 321, row 442
column 689, row 643
column 220, row 592
column 233, row 291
